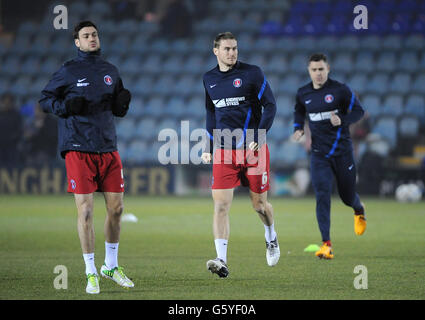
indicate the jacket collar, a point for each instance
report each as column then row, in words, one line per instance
column 88, row 55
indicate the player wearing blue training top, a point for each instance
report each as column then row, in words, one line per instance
column 240, row 109
column 86, row 93
column 330, row 108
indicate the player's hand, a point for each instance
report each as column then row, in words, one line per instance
column 122, row 103
column 296, row 136
column 76, row 105
column 206, row 157
column 253, row 146
column 335, row 120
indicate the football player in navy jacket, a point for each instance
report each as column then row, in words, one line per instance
column 240, row 108
column 86, row 93
column 330, row 108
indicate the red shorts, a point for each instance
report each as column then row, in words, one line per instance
column 90, row 172
column 232, row 168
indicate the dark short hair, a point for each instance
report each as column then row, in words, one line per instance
column 223, row 36
column 317, row 57
column 82, row 25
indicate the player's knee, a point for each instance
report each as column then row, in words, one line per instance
column 85, row 214
column 222, row 207
column 116, row 210
column 260, row 207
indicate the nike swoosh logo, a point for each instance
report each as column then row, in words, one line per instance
column 81, row 80
column 351, row 167
column 212, row 85
column 308, row 101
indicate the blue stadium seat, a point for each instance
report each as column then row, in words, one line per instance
column 393, row 105
column 160, row 45
column 290, row 84
column 289, row 153
column 343, row 63
column 277, row 63
column 152, row 64
column 416, row 105
column 277, row 130
column 127, row 26
column 180, row 46
column 408, row 61
column 146, row 129
column 258, row 59
column 30, row 66
column 386, row 127
column 125, row 128
column 120, row 44
column 194, row 65
column 392, row 42
column 285, row 105
column 408, row 126
column 386, row 61
column 176, row 107
column 28, row 28
column 298, row 63
column 136, row 151
column 21, row 85
column 143, row 86
column 155, row 106
column 196, row 105
column 136, row 105
column 163, row 85
column 379, row 83
column 183, row 86
column 364, row 62
column 350, row 43
column 358, row 82
column 370, row 43
column 414, row 42
column 307, row 43
column 372, row 104
column 131, row 65
column 138, row 44
column 418, row 84
column 401, row 83
column 122, row 149
column 173, row 65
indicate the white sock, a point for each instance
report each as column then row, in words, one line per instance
column 89, row 260
column 221, row 249
column 111, row 255
column 270, row 234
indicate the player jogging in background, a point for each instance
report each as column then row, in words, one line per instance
column 86, row 93
column 330, row 108
column 236, row 93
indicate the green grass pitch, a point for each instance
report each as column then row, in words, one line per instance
column 165, row 252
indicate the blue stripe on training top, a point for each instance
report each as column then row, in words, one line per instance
column 248, row 117
column 338, row 134
column 352, row 101
column 263, row 87
column 209, row 135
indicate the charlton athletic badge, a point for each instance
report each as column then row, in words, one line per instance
column 107, row 79
column 329, row 98
column 237, row 83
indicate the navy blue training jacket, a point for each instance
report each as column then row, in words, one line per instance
column 90, row 76
column 317, row 105
column 240, row 98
